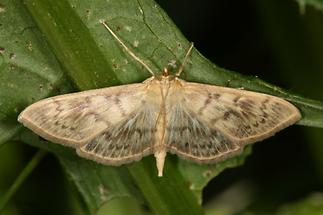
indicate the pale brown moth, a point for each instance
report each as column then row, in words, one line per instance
column 198, row 122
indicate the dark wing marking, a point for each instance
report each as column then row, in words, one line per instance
column 127, row 141
column 193, row 139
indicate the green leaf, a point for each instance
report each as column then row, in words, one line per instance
column 199, row 175
column 28, row 69
column 96, row 183
column 93, row 59
column 311, row 205
column 318, row 4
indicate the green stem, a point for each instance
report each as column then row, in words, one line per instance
column 21, row 178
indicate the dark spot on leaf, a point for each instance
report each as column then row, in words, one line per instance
column 12, row 56
column 207, row 173
column 2, row 8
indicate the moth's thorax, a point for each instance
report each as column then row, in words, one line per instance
column 165, row 80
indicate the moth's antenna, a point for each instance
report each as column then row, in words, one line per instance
column 181, row 68
column 126, row 48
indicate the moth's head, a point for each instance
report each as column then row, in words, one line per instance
column 165, row 75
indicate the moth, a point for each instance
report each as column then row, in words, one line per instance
column 198, row 122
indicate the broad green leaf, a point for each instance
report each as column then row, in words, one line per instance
column 199, row 175
column 28, row 69
column 93, row 59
